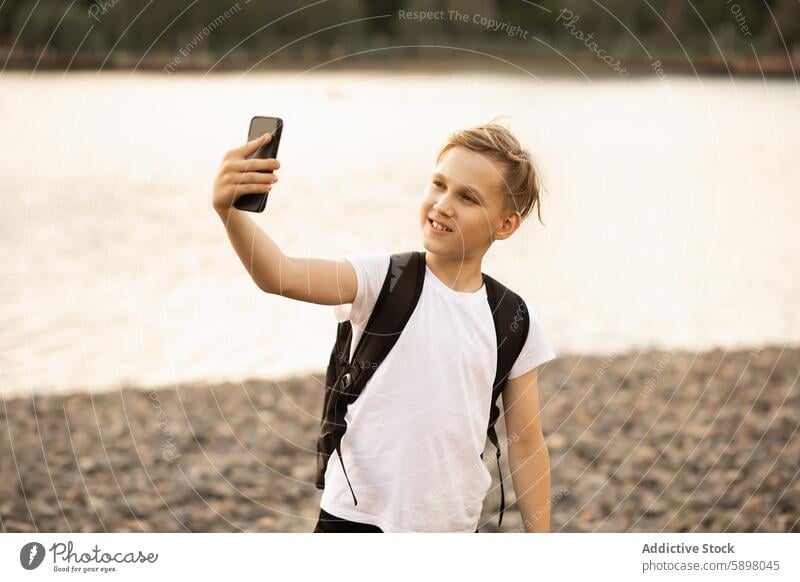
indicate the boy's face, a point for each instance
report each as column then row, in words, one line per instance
column 466, row 194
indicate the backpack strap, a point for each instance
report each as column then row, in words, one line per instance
column 511, row 324
column 339, row 360
column 396, row 302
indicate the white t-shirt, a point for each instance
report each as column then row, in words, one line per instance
column 415, row 434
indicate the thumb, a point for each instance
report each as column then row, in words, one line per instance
column 253, row 145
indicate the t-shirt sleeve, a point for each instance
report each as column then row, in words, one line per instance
column 371, row 269
column 535, row 352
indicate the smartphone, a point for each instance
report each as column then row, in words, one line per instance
column 260, row 126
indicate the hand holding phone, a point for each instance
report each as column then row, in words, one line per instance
column 247, row 175
column 259, row 126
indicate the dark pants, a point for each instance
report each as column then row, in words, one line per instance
column 329, row 523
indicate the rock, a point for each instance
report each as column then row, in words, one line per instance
column 557, row 441
column 13, row 525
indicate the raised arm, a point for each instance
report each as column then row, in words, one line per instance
column 323, row 281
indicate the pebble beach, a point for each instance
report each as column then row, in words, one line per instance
column 656, row 441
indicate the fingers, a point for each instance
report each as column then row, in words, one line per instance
column 240, row 175
column 251, row 146
column 251, row 189
column 252, row 164
column 250, row 178
column 226, row 194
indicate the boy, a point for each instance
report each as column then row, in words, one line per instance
column 416, row 432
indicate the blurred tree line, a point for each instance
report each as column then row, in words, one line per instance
column 325, row 29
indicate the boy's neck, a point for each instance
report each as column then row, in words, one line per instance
column 461, row 275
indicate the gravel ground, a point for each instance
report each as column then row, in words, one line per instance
column 650, row 441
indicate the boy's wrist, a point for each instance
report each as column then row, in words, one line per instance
column 223, row 212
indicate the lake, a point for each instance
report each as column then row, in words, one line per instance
column 670, row 210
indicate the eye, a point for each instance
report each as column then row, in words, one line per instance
column 470, row 198
column 437, row 183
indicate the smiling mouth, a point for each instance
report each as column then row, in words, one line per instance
column 439, row 227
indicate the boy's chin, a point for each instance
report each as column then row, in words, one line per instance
column 434, row 240
column 436, row 246
column 432, row 246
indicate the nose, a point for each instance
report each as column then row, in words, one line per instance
column 443, row 207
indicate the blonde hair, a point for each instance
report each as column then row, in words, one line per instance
column 520, row 175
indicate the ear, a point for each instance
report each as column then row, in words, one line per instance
column 508, row 225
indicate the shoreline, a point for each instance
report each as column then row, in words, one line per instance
column 639, row 441
column 628, row 353
column 740, row 65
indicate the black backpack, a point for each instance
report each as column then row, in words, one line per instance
column 393, row 308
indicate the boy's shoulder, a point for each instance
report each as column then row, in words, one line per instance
column 375, row 264
column 501, row 289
